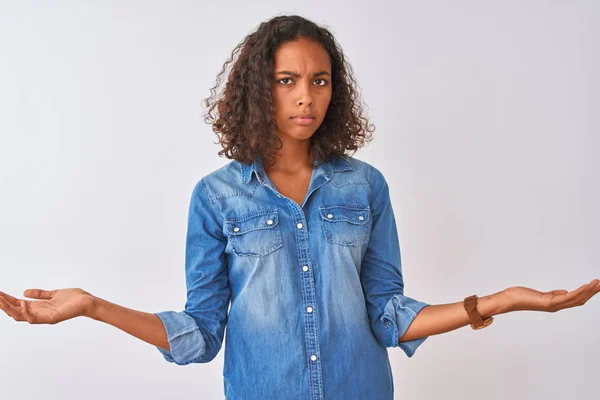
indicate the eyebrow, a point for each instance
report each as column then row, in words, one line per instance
column 296, row 75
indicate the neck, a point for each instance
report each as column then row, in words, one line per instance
column 293, row 157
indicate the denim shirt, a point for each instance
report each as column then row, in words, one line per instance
column 312, row 295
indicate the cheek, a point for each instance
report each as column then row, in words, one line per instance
column 324, row 105
column 278, row 106
column 280, row 113
column 326, row 97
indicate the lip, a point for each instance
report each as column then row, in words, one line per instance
column 303, row 120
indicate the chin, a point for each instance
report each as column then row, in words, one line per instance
column 303, row 134
column 300, row 133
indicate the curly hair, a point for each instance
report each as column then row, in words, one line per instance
column 244, row 119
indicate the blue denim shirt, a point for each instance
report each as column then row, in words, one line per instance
column 312, row 295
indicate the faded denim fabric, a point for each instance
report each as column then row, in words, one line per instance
column 316, row 293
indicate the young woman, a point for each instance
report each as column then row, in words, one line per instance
column 297, row 237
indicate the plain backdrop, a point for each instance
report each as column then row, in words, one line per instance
column 487, row 130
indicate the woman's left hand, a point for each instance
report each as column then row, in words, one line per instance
column 522, row 298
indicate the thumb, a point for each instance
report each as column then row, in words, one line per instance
column 555, row 292
column 38, row 294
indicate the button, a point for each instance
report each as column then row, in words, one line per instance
column 309, row 309
column 313, row 357
column 329, row 216
column 236, row 229
column 270, row 222
column 305, row 268
column 360, row 217
column 299, row 226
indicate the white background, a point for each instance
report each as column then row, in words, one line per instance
column 487, row 132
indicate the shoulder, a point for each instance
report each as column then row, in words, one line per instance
column 373, row 176
column 225, row 179
column 230, row 172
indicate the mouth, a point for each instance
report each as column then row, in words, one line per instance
column 303, row 120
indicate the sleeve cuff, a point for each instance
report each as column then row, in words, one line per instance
column 185, row 338
column 399, row 313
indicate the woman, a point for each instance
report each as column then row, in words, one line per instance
column 296, row 237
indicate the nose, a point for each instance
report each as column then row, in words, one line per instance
column 304, row 95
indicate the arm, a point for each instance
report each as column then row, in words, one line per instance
column 145, row 326
column 194, row 335
column 401, row 321
column 442, row 318
column 389, row 309
column 55, row 306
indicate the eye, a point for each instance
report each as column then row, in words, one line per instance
column 324, row 81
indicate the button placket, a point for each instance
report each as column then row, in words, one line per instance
column 307, row 281
column 308, row 297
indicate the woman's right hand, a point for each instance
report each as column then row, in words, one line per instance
column 53, row 306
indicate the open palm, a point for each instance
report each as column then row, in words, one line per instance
column 52, row 307
column 523, row 298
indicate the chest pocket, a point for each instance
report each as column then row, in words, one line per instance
column 254, row 235
column 347, row 225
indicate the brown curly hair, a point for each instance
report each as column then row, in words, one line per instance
column 244, row 120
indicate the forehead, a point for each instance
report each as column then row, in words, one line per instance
column 302, row 54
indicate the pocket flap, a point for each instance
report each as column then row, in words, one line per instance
column 240, row 225
column 359, row 215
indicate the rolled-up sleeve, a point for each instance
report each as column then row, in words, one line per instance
column 195, row 335
column 390, row 311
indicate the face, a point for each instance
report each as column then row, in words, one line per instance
column 302, row 85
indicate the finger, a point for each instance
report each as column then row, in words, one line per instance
column 593, row 283
column 26, row 313
column 38, row 294
column 557, row 292
column 594, row 289
column 3, row 304
column 9, row 298
column 587, row 294
column 559, row 300
column 12, row 311
column 577, row 297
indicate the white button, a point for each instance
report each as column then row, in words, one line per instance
column 299, row 226
column 270, row 222
column 329, row 216
column 236, row 229
column 313, row 357
column 360, row 217
column 309, row 309
column 305, row 268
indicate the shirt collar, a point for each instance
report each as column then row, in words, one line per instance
column 337, row 164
